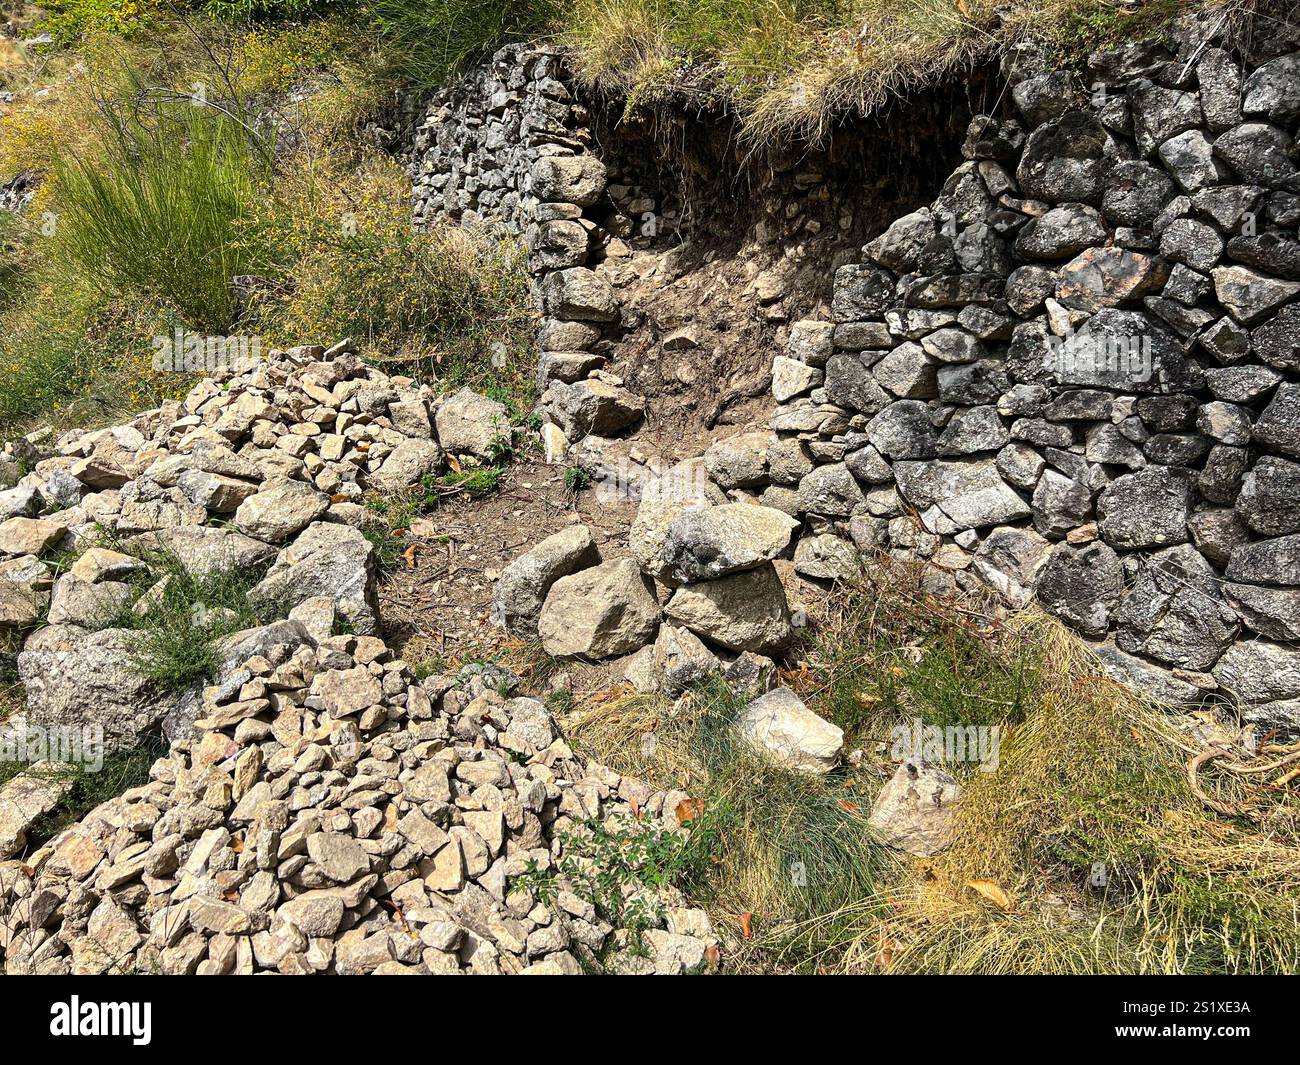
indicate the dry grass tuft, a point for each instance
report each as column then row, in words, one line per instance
column 1112, row 860
column 1094, row 850
column 793, row 68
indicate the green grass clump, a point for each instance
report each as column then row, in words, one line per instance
column 887, row 653
column 175, row 640
column 428, row 41
column 163, row 213
column 119, row 771
column 768, row 849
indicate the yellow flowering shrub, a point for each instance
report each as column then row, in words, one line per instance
column 66, row 20
column 69, row 358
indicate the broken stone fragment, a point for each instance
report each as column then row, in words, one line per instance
column 708, row 542
column 599, row 612
column 25, row 799
column 744, row 611
column 914, row 811
column 521, row 590
column 779, row 726
column 471, row 424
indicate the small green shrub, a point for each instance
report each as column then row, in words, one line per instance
column 274, row 10
column 68, row 20
column 175, row 641
column 447, row 303
column 619, row 866
column 67, row 357
column 576, row 479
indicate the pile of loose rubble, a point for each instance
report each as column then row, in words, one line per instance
column 334, row 814
column 320, row 809
column 724, row 607
column 258, row 467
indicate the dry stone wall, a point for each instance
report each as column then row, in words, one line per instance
column 1076, row 375
column 508, row 146
column 1074, row 378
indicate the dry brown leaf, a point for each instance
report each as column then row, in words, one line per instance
column 747, row 925
column 689, row 810
column 885, row 954
column 409, row 555
column 993, row 892
column 849, row 807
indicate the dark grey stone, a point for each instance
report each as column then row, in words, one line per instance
column 1148, row 508
column 1269, row 500
column 1275, row 561
column 1081, row 586
column 1175, row 612
column 1257, row 152
column 1278, row 428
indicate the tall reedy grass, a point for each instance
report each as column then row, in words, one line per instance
column 163, row 212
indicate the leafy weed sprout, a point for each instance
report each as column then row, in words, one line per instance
column 177, row 619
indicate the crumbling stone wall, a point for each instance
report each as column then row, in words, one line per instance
column 508, row 145
column 1076, row 375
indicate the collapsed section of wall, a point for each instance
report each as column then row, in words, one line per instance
column 1076, row 375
